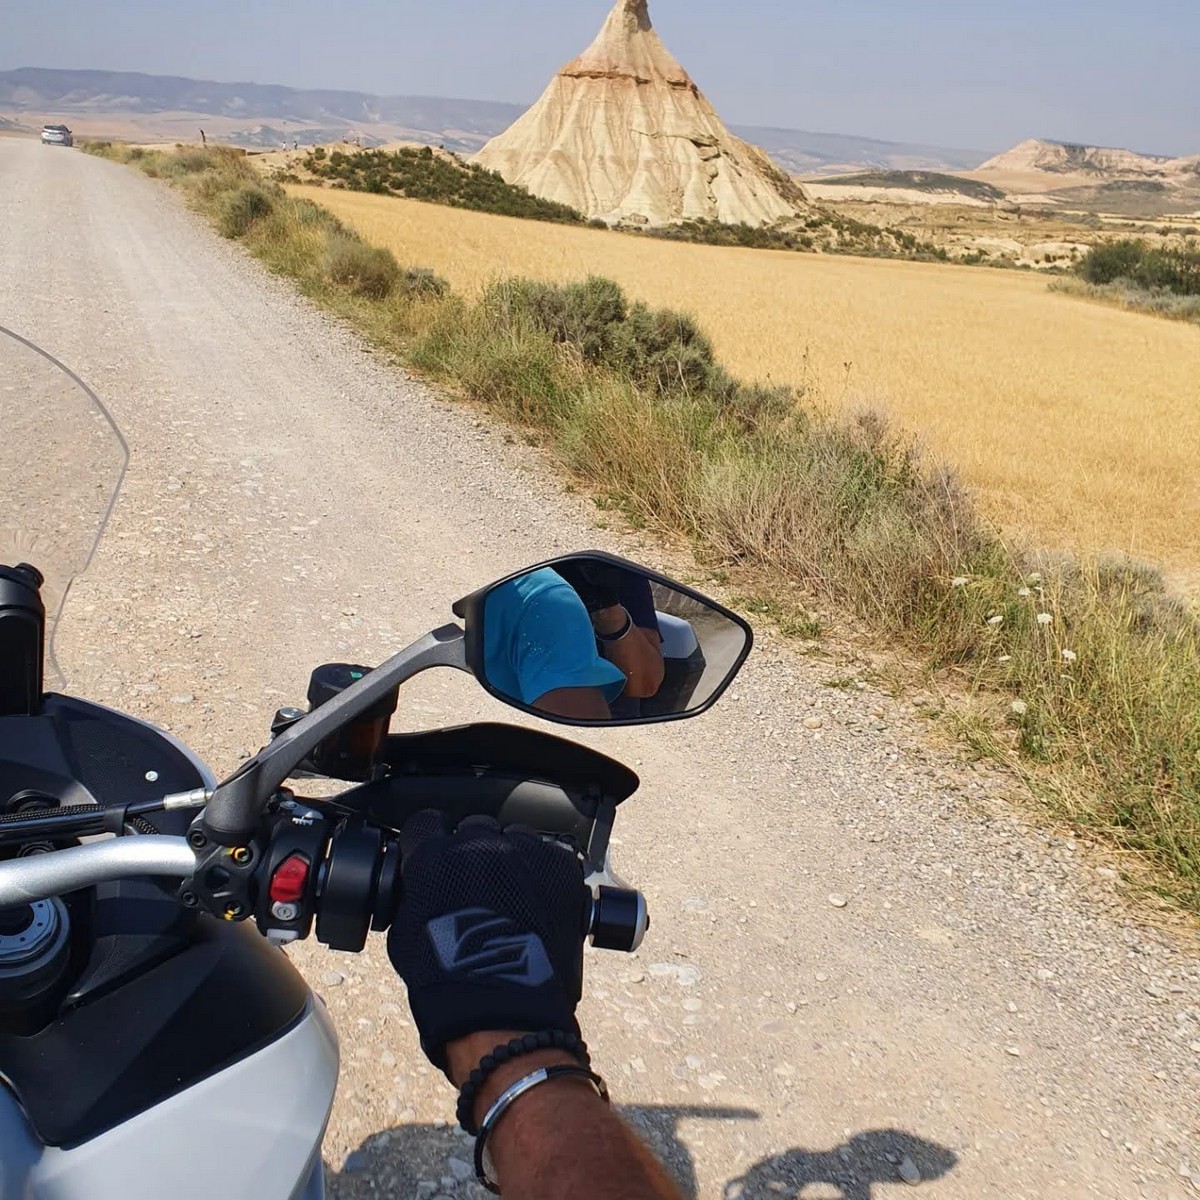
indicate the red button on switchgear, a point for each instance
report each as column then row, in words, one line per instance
column 290, row 880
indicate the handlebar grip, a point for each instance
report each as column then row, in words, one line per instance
column 619, row 919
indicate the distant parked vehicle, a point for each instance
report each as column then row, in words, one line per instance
column 57, row 135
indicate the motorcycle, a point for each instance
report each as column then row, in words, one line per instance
column 154, row 1040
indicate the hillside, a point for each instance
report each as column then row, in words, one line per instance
column 152, row 107
column 1064, row 158
column 806, row 153
column 255, row 112
column 1096, row 178
column 428, row 174
column 954, row 188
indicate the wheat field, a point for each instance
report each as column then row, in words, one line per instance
column 1076, row 424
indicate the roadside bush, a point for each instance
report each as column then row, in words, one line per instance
column 241, row 208
column 658, row 349
column 1135, row 262
column 422, row 284
column 368, row 271
column 1123, row 294
column 310, row 215
column 190, row 162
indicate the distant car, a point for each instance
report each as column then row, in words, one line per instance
column 56, row 135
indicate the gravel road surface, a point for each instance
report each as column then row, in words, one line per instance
column 864, row 973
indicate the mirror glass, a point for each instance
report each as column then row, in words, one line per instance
column 598, row 640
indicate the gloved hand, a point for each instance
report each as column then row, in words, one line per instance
column 489, row 932
column 597, row 584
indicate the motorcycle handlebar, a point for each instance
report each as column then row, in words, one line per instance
column 618, row 919
column 42, row 876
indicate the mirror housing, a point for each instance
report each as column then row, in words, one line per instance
column 592, row 639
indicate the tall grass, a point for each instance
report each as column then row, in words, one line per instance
column 1122, row 294
column 1088, row 673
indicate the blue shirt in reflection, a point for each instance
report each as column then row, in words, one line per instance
column 538, row 638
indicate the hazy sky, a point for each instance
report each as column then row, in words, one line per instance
column 980, row 74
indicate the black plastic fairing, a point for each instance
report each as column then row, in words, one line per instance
column 518, row 776
column 513, row 750
column 81, row 753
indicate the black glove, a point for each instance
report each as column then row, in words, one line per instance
column 597, row 584
column 489, row 932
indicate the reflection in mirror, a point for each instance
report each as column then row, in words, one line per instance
column 591, row 640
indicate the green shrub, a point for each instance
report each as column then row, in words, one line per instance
column 1133, row 261
column 658, row 349
column 1124, row 294
column 310, row 215
column 241, row 208
column 422, row 283
column 420, row 174
column 368, row 271
column 191, row 162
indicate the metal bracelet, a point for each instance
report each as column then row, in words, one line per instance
column 610, row 639
column 513, row 1093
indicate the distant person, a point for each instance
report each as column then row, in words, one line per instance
column 203, row 138
column 296, row 144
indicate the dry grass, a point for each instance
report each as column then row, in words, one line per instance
column 1075, row 424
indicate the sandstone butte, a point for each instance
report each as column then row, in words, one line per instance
column 623, row 134
column 1060, row 158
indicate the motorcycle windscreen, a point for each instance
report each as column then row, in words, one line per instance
column 62, row 460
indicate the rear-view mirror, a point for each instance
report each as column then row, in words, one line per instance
column 591, row 639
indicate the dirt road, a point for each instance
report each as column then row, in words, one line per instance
column 978, row 1015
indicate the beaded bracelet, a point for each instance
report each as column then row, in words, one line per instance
column 530, row 1043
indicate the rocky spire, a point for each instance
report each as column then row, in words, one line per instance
column 628, row 47
column 624, row 134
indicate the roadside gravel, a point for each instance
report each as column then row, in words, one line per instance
column 864, row 973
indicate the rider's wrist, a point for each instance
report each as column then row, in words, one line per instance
column 464, row 1055
column 608, row 622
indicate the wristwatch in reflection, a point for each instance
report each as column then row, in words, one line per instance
column 621, row 633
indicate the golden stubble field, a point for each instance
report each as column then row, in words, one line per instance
column 1077, row 424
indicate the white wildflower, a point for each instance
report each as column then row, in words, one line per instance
column 1019, row 707
column 1069, row 656
column 996, row 620
column 1024, row 593
column 1045, row 618
column 960, row 581
column 1036, row 577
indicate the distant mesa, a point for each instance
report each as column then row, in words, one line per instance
column 1104, row 163
column 623, row 134
column 1097, row 178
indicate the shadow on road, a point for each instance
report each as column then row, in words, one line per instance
column 396, row 1161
